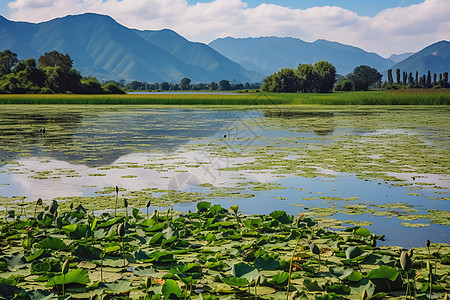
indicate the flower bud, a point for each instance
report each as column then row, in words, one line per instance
column 65, row 267
column 121, row 229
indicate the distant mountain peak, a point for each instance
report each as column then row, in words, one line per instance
column 435, row 57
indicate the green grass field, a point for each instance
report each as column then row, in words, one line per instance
column 399, row 97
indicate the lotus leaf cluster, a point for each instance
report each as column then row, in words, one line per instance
column 212, row 253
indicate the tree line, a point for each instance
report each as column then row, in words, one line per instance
column 186, row 85
column 405, row 79
column 320, row 78
column 53, row 73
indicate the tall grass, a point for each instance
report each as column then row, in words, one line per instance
column 147, row 99
column 399, row 97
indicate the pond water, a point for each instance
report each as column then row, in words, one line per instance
column 384, row 169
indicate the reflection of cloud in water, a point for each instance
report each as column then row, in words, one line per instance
column 137, row 171
column 442, row 180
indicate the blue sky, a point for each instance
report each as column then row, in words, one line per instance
column 382, row 26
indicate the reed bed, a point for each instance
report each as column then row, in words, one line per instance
column 399, row 97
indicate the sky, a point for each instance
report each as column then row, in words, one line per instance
column 382, row 26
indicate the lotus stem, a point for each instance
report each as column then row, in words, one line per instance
column 430, row 269
column 64, row 270
column 319, row 262
column 117, row 196
column 123, row 253
column 290, row 266
column 407, row 285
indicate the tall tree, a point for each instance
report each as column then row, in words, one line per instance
column 326, row 74
column 283, row 81
column 429, row 79
column 29, row 74
column 185, row 84
column 224, row 85
column 397, row 73
column 164, row 86
column 308, row 78
column 390, row 78
column 8, row 60
column 364, row 77
column 410, row 79
column 55, row 59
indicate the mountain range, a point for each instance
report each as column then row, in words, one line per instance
column 435, row 58
column 269, row 54
column 101, row 47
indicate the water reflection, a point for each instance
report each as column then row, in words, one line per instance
column 85, row 151
column 100, row 137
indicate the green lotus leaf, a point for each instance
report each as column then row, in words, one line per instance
column 70, row 228
column 266, row 262
column 147, row 223
column 39, row 295
column 52, row 243
column 353, row 252
column 112, row 247
column 189, row 268
column 281, row 278
column 339, row 289
column 236, row 281
column 109, row 222
column 116, row 287
column 156, row 238
column 15, row 261
column 215, row 209
column 87, row 252
column 170, row 287
column 155, row 227
column 281, row 216
column 203, row 206
column 384, row 272
column 35, row 255
column 312, row 285
column 340, row 272
column 243, row 270
column 210, row 237
column 362, row 232
column 355, row 276
column 79, row 276
column 142, row 271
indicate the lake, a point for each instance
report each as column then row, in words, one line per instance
column 384, row 168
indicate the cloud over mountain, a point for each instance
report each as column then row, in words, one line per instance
column 393, row 30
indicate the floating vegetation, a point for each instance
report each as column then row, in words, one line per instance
column 415, row 224
column 267, row 154
column 212, row 253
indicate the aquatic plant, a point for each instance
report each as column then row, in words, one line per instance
column 399, row 97
column 405, row 263
column 121, row 232
column 117, row 197
column 429, row 267
column 315, row 250
column 64, row 270
column 38, row 203
column 149, row 202
column 205, row 252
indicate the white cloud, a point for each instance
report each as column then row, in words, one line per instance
column 393, row 30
